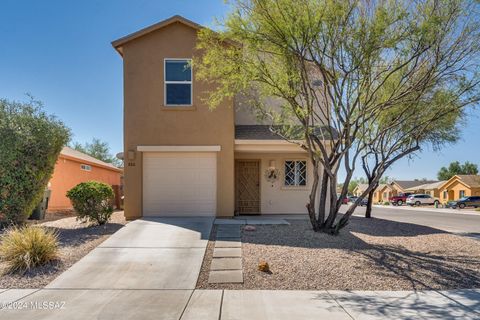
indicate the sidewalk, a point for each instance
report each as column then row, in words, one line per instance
column 240, row 304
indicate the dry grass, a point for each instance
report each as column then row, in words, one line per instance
column 24, row 248
column 370, row 254
column 76, row 239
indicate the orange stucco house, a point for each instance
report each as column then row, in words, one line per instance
column 73, row 167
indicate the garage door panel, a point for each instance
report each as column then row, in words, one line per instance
column 179, row 184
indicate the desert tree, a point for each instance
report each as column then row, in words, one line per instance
column 336, row 77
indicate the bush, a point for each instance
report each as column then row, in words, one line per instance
column 27, row 247
column 92, row 201
column 30, row 141
column 386, row 203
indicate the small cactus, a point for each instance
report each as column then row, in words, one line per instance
column 263, row 266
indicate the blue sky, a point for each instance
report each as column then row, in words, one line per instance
column 59, row 51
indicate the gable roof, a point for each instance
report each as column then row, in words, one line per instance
column 473, row 181
column 428, row 186
column 361, row 187
column 82, row 157
column 407, row 184
column 383, row 186
column 117, row 44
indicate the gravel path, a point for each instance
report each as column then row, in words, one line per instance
column 369, row 254
column 76, row 240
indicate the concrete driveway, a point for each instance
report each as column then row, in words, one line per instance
column 164, row 253
column 146, row 270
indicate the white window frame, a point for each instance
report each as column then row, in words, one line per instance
column 296, row 183
column 85, row 167
column 165, row 82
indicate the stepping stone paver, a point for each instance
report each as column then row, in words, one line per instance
column 227, row 252
column 226, row 264
column 267, row 221
column 226, row 276
column 229, row 222
column 223, row 233
column 228, row 243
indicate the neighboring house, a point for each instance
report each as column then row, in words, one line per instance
column 432, row 189
column 402, row 186
column 359, row 189
column 73, row 167
column 182, row 159
column 382, row 193
column 459, row 186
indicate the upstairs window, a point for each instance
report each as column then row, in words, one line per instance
column 178, row 82
column 85, row 167
column 295, row 173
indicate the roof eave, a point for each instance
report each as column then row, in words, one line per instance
column 117, row 44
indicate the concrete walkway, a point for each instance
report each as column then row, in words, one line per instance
column 149, row 269
column 238, row 304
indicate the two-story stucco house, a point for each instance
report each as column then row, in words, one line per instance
column 182, row 159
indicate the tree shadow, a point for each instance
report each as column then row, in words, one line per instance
column 407, row 304
column 392, row 251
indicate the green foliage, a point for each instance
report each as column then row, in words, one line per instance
column 456, row 168
column 27, row 247
column 30, row 142
column 385, row 77
column 99, row 150
column 386, row 203
column 92, row 201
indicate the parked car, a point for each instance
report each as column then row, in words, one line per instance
column 352, row 199
column 364, row 202
column 470, row 201
column 421, row 199
column 400, row 199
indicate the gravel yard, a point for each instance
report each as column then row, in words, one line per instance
column 369, row 254
column 76, row 239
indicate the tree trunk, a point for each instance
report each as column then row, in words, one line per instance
column 368, row 211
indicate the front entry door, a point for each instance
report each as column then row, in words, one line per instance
column 247, row 186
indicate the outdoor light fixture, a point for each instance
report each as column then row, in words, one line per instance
column 272, row 164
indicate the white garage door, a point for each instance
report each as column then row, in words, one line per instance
column 179, row 184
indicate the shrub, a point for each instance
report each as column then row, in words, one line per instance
column 23, row 248
column 92, row 201
column 30, row 141
column 386, row 203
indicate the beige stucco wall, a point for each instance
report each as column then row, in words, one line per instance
column 148, row 122
column 453, row 191
column 275, row 197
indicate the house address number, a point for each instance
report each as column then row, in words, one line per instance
column 131, row 164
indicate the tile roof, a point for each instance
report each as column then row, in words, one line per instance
column 472, row 181
column 407, row 184
column 427, row 186
column 67, row 151
column 265, row 132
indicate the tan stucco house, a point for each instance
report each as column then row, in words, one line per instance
column 459, row 186
column 432, row 189
column 182, row 159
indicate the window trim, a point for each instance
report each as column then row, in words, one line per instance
column 295, row 186
column 85, row 167
column 165, row 82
